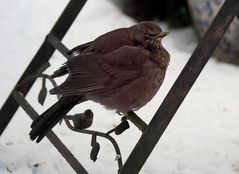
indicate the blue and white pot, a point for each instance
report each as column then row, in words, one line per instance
column 203, row 12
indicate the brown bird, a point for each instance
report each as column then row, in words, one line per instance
column 122, row 70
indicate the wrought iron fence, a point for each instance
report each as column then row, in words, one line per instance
column 163, row 116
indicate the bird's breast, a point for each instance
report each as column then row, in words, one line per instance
column 134, row 94
column 153, row 79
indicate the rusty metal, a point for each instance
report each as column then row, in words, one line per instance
column 181, row 87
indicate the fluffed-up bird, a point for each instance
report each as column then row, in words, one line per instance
column 122, row 70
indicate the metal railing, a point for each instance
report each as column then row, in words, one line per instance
column 164, row 114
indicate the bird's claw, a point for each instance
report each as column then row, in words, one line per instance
column 136, row 120
column 124, row 125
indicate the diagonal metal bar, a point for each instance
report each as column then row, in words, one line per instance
column 62, row 149
column 42, row 56
column 181, row 87
column 55, row 42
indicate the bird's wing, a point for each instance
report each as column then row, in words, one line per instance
column 84, row 76
column 124, row 65
column 95, row 72
column 63, row 70
column 78, row 49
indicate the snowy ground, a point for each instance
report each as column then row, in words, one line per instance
column 201, row 139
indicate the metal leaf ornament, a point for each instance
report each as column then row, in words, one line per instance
column 43, row 92
column 95, row 148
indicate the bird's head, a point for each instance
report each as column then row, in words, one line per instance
column 147, row 35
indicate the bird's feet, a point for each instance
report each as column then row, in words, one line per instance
column 136, row 120
column 124, row 125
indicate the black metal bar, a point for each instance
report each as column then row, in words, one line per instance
column 55, row 42
column 62, row 149
column 42, row 56
column 181, row 87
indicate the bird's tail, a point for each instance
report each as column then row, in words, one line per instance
column 46, row 121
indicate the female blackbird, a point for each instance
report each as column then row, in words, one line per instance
column 122, row 70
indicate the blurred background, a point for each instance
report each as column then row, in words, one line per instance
column 201, row 139
column 198, row 13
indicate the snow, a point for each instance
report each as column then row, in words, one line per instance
column 201, row 139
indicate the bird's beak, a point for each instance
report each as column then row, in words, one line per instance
column 161, row 35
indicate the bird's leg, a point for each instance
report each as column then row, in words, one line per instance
column 131, row 116
column 136, row 120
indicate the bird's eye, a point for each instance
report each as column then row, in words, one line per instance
column 146, row 34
